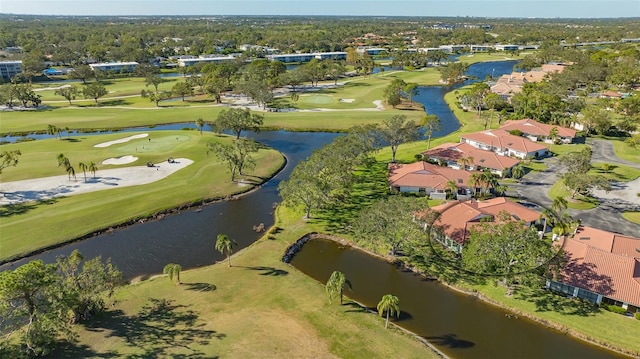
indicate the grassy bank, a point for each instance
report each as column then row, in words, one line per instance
column 58, row 220
column 258, row 308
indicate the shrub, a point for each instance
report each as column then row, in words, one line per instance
column 637, row 315
column 614, row 308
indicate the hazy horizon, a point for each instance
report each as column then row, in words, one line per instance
column 546, row 9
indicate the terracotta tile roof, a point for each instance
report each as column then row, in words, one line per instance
column 426, row 175
column 482, row 158
column 517, row 211
column 553, row 68
column 504, row 140
column 535, row 128
column 457, row 218
column 591, row 266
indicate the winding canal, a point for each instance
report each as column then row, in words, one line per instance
column 459, row 325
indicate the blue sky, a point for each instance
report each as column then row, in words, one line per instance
column 476, row 8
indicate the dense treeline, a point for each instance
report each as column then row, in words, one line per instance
column 143, row 38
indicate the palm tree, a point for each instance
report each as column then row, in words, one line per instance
column 53, row 130
column 559, row 205
column 93, row 168
column 71, row 172
column 517, row 171
column 452, row 187
column 475, row 180
column 83, row 167
column 389, row 304
column 63, row 161
column 335, row 285
column 465, row 161
column 200, row 124
column 173, row 271
column 225, row 244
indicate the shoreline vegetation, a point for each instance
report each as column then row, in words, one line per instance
column 297, row 304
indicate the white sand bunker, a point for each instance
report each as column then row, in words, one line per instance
column 347, row 100
column 378, row 104
column 122, row 140
column 49, row 187
column 119, row 160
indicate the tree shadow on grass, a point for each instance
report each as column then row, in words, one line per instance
column 268, row 271
column 22, row 208
column 549, row 301
column 76, row 350
column 159, row 329
column 199, row 287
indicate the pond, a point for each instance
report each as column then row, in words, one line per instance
column 459, row 325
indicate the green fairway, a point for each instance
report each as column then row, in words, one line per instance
column 22, row 225
column 258, row 308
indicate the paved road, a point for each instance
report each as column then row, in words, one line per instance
column 534, row 187
column 603, row 152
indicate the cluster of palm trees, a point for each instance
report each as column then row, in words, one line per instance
column 64, row 162
column 389, row 304
column 484, row 180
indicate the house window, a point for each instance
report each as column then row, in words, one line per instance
column 562, row 288
column 587, row 295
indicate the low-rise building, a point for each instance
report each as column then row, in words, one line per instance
column 500, row 47
column 464, row 156
column 453, row 226
column 537, row 131
column 211, row 59
column 505, row 144
column 115, row 66
column 602, row 267
column 429, row 180
column 9, row 69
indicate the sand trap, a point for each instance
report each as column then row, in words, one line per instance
column 347, row 100
column 378, row 104
column 122, row 140
column 119, row 160
column 57, row 186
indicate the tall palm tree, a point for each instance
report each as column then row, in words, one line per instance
column 335, row 285
column 559, row 205
column 93, row 168
column 452, row 187
column 71, row 172
column 224, row 244
column 83, row 167
column 63, row 161
column 173, row 271
column 389, row 304
column 517, row 171
column 200, row 124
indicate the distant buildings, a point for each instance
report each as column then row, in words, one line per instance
column 9, row 69
column 192, row 60
column 114, row 66
column 306, row 57
column 505, row 144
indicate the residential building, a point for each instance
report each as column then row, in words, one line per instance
column 453, row 226
column 537, row 131
column 306, row 57
column 480, row 48
column 9, row 69
column 500, row 47
column 505, row 144
column 214, row 59
column 465, row 156
column 372, row 51
column 602, row 267
column 114, row 66
column 429, row 180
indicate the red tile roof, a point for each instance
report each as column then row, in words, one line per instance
column 482, row 158
column 426, row 175
column 604, row 263
column 504, row 140
column 457, row 218
column 535, row 128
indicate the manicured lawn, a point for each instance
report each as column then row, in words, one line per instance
column 485, row 56
column 580, row 202
column 55, row 221
column 632, row 217
column 618, row 173
column 625, row 151
column 560, row 150
column 258, row 308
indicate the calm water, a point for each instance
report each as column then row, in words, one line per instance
column 459, row 325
